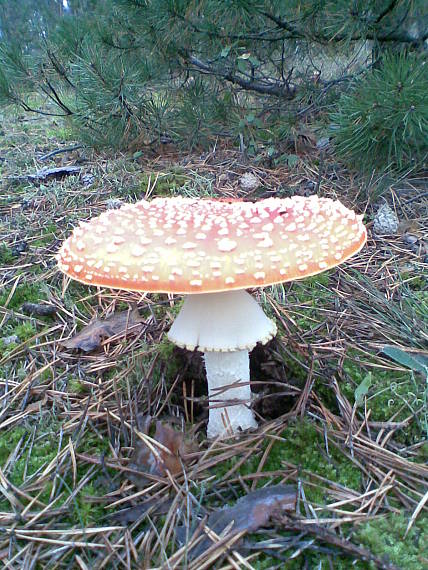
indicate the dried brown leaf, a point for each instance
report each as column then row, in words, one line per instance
column 170, row 456
column 93, row 334
column 35, row 407
column 248, row 514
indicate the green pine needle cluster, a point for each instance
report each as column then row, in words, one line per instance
column 383, row 119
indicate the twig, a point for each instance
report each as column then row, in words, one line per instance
column 60, row 150
column 330, row 537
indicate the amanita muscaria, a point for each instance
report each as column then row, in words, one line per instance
column 212, row 251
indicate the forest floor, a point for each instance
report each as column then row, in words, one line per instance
column 85, row 481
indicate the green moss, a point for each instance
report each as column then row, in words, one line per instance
column 61, row 133
column 88, row 512
column 163, row 184
column 423, row 452
column 165, row 368
column 311, row 290
column 41, row 241
column 9, row 440
column 392, row 392
column 30, row 293
column 36, row 269
column 414, row 282
column 30, row 459
column 6, row 255
column 317, row 281
column 308, row 295
column 73, row 295
column 167, row 357
column 169, row 361
column 296, row 373
column 45, row 236
column 43, row 451
column 74, row 386
column 303, row 446
column 50, row 228
column 25, row 331
column 385, row 537
column 93, row 443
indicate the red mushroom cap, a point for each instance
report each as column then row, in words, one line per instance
column 185, row 245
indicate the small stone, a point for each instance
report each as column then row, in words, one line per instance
column 310, row 185
column 19, row 248
column 88, row 179
column 323, row 143
column 12, row 339
column 114, row 203
column 386, row 221
column 249, row 182
column 410, row 239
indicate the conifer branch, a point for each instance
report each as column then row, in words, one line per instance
column 397, row 35
column 281, row 89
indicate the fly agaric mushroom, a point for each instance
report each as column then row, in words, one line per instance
column 211, row 251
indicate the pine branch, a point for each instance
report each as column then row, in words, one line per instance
column 53, row 95
column 387, row 10
column 278, row 89
column 58, row 67
column 400, row 36
column 284, row 25
column 29, row 109
column 260, row 36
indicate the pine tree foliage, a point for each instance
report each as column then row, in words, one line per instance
column 383, row 118
column 136, row 73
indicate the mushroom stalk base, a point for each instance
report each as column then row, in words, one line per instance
column 229, row 406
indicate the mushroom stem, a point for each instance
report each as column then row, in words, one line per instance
column 228, row 376
column 225, row 327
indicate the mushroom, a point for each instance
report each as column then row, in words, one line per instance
column 212, row 251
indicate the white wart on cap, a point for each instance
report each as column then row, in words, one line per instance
column 185, row 245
